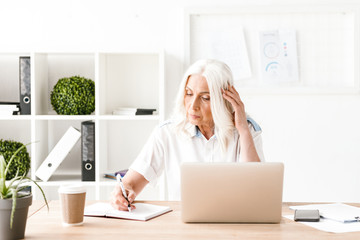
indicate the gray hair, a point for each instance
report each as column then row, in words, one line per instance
column 218, row 76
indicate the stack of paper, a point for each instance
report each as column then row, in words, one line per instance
column 7, row 109
column 336, row 217
column 335, row 211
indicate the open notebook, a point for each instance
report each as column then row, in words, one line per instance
column 142, row 212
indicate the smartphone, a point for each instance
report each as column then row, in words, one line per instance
column 307, row 215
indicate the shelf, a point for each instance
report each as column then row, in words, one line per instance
column 122, row 79
column 123, row 117
column 123, row 84
column 57, row 180
column 9, row 76
column 107, row 182
column 65, row 117
column 18, row 130
column 121, row 141
column 50, row 67
column 16, row 117
column 51, row 190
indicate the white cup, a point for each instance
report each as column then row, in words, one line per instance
column 72, row 201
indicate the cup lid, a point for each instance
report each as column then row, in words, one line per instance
column 72, row 188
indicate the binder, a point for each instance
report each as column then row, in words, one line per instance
column 88, row 151
column 25, row 85
column 58, row 154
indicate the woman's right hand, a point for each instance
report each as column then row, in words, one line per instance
column 134, row 183
column 119, row 202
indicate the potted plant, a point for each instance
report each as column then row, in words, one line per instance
column 14, row 201
column 73, row 96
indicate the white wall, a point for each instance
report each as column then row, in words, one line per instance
column 316, row 136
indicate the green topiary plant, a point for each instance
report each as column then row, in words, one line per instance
column 73, row 96
column 20, row 162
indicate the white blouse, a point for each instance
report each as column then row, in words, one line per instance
column 165, row 150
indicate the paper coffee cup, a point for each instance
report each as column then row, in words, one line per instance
column 72, row 201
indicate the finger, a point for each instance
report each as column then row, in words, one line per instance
column 120, row 205
column 118, row 201
column 117, row 193
column 233, row 89
column 230, row 99
column 231, row 96
column 235, row 95
column 236, row 92
column 131, row 196
column 115, row 203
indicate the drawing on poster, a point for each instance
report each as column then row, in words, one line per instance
column 278, row 56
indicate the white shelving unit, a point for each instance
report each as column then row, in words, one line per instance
column 122, row 79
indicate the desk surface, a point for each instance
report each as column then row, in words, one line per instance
column 47, row 225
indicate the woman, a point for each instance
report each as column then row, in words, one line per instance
column 209, row 124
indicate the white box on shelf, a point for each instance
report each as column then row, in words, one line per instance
column 58, row 154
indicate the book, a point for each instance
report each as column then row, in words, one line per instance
column 8, row 105
column 9, row 108
column 143, row 211
column 113, row 175
column 9, row 112
column 133, row 111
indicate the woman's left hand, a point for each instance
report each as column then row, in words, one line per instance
column 248, row 152
column 233, row 97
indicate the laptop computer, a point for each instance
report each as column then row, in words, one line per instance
column 231, row 192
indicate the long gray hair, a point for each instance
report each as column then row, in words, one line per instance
column 218, row 76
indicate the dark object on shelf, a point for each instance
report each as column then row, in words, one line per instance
column 133, row 111
column 122, row 172
column 25, row 85
column 9, row 108
column 20, row 162
column 144, row 111
column 88, row 151
column 113, row 175
column 73, row 96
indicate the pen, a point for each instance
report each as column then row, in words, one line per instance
column 119, row 180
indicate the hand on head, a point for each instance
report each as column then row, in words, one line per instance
column 233, row 97
column 119, row 202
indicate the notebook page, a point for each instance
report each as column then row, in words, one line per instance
column 142, row 212
column 97, row 209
